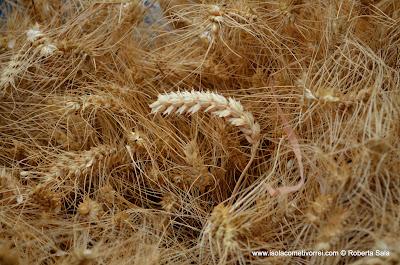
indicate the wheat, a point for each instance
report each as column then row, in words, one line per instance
column 89, row 172
column 93, row 102
column 10, row 188
column 12, row 70
column 81, row 163
column 47, row 50
column 169, row 202
column 194, row 101
column 222, row 226
column 34, row 33
column 46, row 198
column 89, row 209
column 8, row 255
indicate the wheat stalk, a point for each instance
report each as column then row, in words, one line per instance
column 194, row 101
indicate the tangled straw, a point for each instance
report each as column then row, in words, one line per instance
column 194, row 101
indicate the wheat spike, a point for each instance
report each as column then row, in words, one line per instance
column 194, row 101
column 81, row 163
column 34, row 33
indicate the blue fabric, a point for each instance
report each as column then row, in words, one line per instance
column 4, row 8
column 1, row 8
column 154, row 14
column 154, row 10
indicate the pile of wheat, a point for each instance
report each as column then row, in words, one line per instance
column 198, row 132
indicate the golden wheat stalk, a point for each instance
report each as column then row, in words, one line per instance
column 194, row 101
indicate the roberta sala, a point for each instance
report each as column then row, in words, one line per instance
column 368, row 253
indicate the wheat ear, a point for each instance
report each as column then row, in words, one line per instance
column 218, row 105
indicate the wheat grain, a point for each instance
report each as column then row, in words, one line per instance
column 46, row 198
column 34, row 33
column 47, row 50
column 81, row 163
column 14, row 68
column 89, row 209
column 194, row 101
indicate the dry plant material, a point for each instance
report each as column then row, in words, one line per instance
column 191, row 102
column 46, row 198
column 89, row 209
column 86, row 173
column 222, row 227
column 78, row 164
column 8, row 256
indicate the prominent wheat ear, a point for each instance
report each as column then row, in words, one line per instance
column 218, row 105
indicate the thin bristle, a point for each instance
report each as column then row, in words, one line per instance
column 273, row 127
